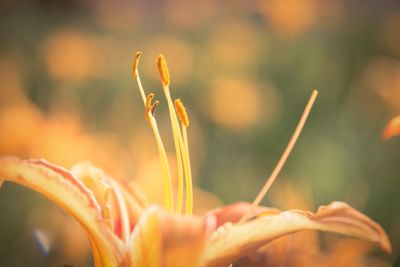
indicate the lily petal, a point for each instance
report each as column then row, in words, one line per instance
column 112, row 196
column 164, row 240
column 68, row 192
column 238, row 240
column 145, row 242
column 137, row 193
column 234, row 212
column 296, row 250
column 184, row 238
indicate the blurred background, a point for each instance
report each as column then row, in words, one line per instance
column 244, row 70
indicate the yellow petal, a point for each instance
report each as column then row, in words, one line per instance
column 119, row 207
column 183, row 241
column 161, row 239
column 238, row 240
column 145, row 242
column 137, row 193
column 58, row 185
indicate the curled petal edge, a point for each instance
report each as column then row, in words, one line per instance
column 62, row 188
column 239, row 239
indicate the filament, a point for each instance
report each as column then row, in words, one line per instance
column 188, row 174
column 149, row 110
column 283, row 158
column 176, row 131
column 179, row 147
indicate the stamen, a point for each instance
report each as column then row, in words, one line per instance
column 176, row 132
column 135, row 73
column 168, row 190
column 179, row 200
column 149, row 107
column 136, row 64
column 163, row 70
column 188, row 175
column 182, row 114
column 181, row 111
column 283, row 158
column 181, row 151
column 167, row 183
column 154, row 107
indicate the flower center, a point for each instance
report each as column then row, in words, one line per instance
column 177, row 110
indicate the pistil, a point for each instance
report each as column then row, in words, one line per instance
column 283, row 158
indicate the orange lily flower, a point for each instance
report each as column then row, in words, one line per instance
column 125, row 230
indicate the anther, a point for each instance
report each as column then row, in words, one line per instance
column 154, row 107
column 181, row 111
column 150, row 107
column 163, row 70
column 136, row 63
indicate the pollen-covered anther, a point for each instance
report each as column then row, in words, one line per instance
column 163, row 70
column 181, row 111
column 136, row 63
column 150, row 107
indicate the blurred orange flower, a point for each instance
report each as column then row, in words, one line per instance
column 293, row 17
column 392, row 128
column 70, row 55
